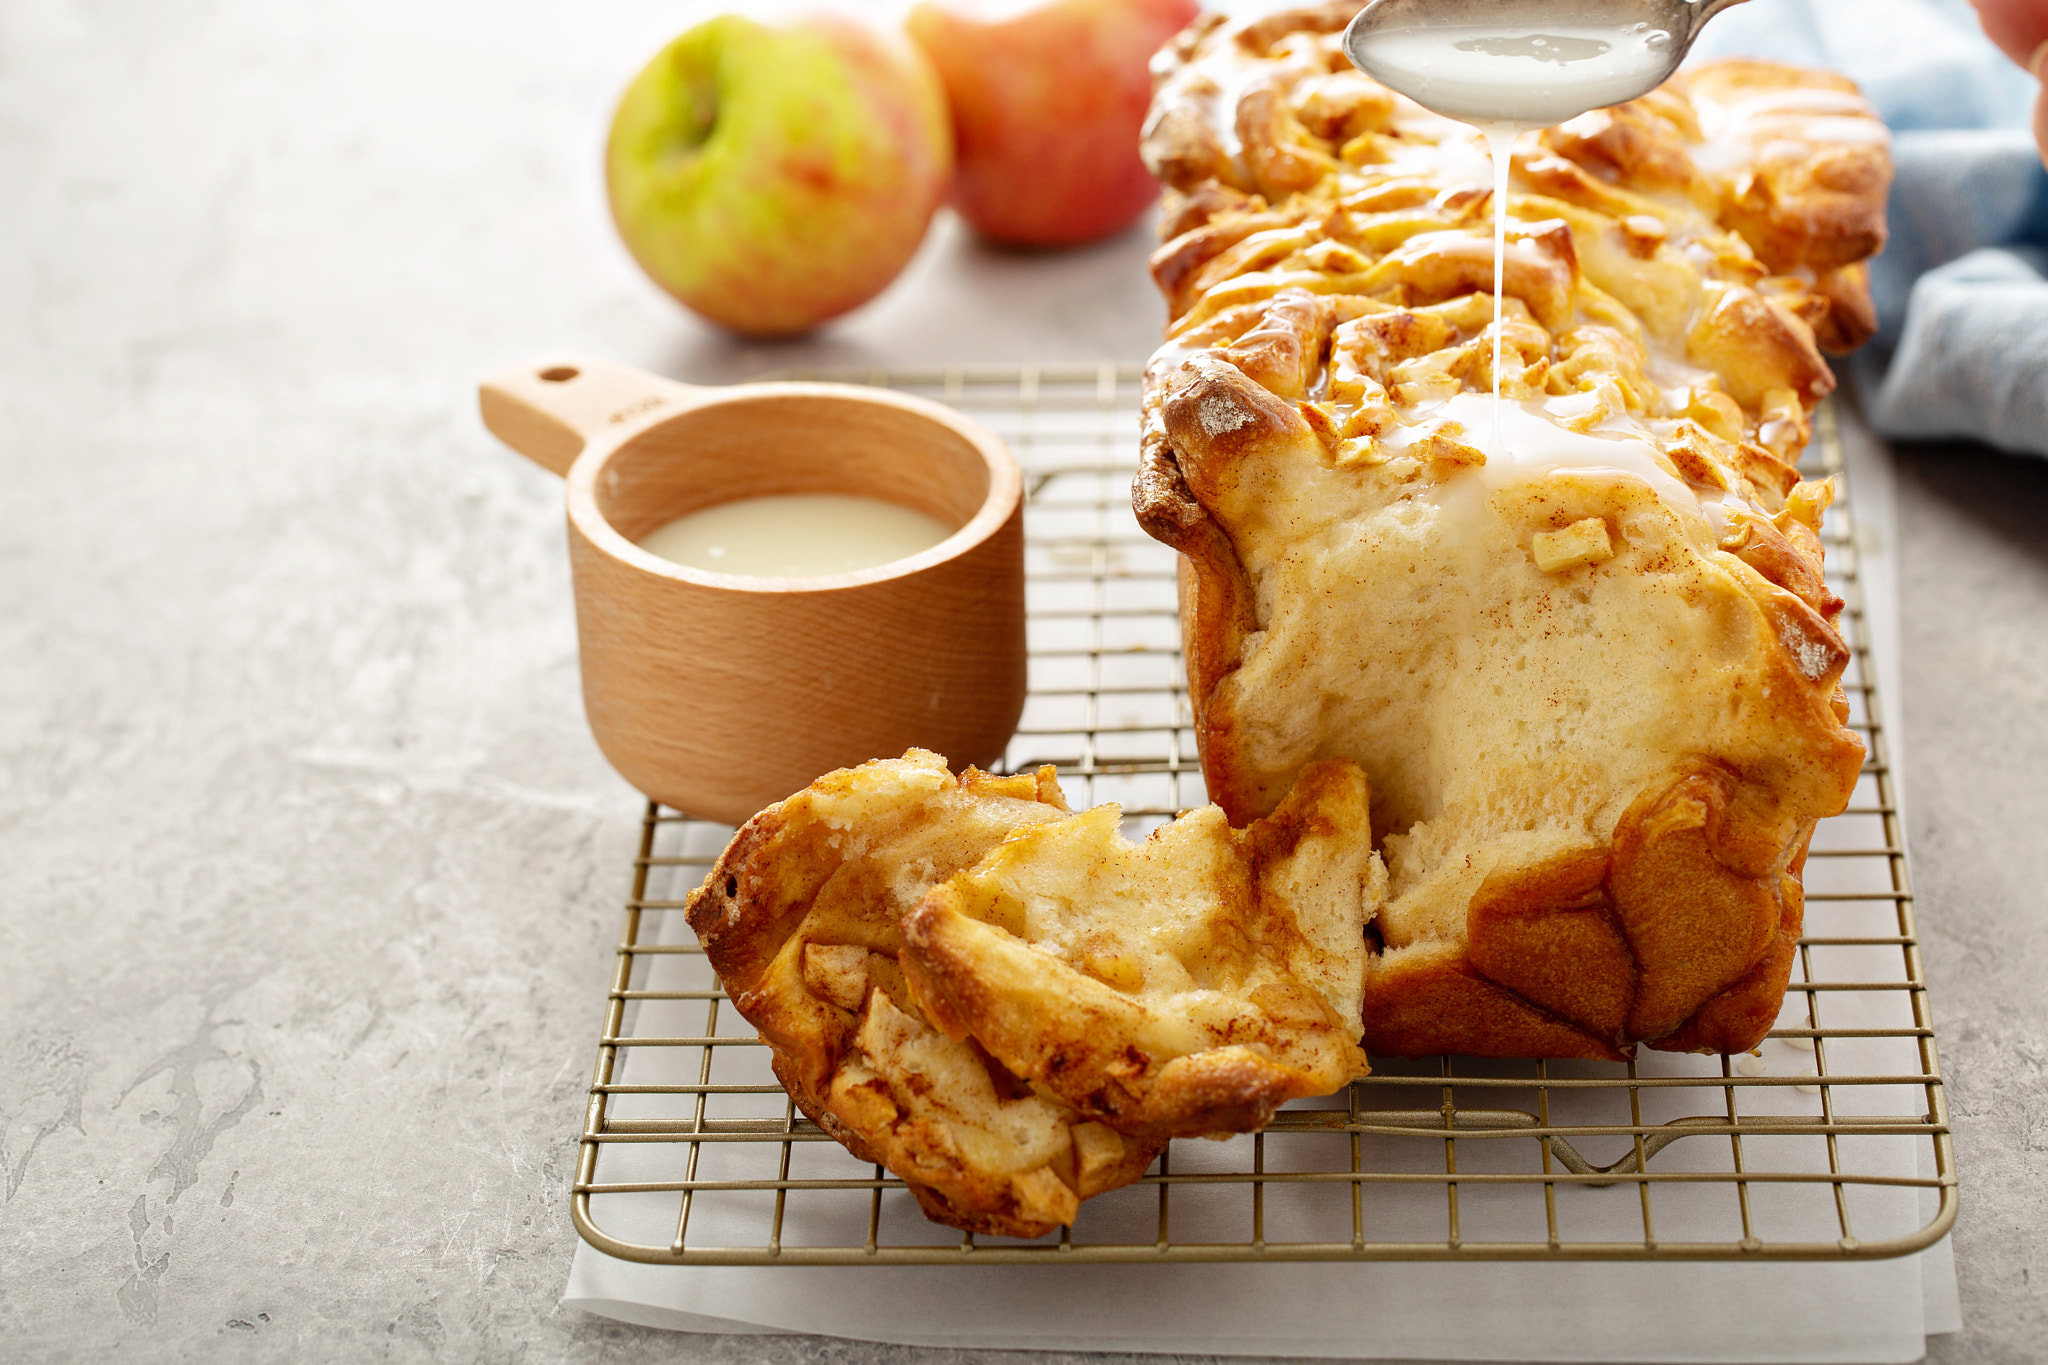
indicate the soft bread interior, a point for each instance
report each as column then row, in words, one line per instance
column 1185, row 985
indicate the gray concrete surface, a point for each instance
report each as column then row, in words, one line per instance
column 308, row 868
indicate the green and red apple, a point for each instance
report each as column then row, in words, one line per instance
column 773, row 177
column 1048, row 101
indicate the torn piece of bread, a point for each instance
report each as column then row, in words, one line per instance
column 1185, row 986
column 802, row 919
column 1011, row 1007
column 1592, row 670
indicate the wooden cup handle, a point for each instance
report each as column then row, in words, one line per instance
column 550, row 409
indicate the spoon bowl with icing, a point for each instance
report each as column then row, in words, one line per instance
column 1527, row 63
column 775, row 580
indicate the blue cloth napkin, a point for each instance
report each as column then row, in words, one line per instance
column 1962, row 287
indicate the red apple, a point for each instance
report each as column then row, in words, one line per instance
column 1047, row 106
column 771, row 178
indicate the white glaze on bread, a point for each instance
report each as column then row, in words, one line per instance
column 1615, row 762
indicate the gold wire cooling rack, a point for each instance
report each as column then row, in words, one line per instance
column 1831, row 1143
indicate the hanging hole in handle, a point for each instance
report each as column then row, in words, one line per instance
column 560, row 374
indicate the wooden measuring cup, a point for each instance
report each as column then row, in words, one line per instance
column 719, row 694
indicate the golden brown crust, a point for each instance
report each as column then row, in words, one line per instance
column 1851, row 316
column 1757, row 344
column 1177, row 265
column 1548, row 932
column 1738, row 1018
column 1799, row 193
column 1428, row 999
column 1181, row 213
column 1676, row 268
column 1215, row 598
column 1696, row 925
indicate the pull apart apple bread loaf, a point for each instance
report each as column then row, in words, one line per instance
column 1592, row 670
column 1011, row 1006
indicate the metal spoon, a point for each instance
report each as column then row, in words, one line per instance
column 1474, row 61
